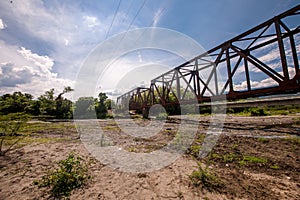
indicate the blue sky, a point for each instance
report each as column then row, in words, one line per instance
column 44, row 43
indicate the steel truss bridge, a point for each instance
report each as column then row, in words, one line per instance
column 269, row 51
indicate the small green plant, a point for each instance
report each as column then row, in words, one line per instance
column 132, row 149
column 71, row 173
column 263, row 140
column 215, row 156
column 230, row 157
column 194, row 150
column 205, row 178
column 162, row 116
column 274, row 167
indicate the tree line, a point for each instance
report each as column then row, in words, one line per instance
column 52, row 106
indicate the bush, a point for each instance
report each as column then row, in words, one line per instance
column 205, row 178
column 162, row 116
column 71, row 173
column 257, row 112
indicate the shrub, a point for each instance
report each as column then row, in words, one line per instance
column 257, row 112
column 162, row 116
column 205, row 178
column 71, row 173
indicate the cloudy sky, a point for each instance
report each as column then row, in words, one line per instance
column 43, row 44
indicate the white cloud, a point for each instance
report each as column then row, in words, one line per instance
column 12, row 76
column 43, row 62
column 25, row 71
column 255, row 84
column 157, row 16
column 2, row 24
column 91, row 21
column 66, row 42
column 68, row 32
column 270, row 55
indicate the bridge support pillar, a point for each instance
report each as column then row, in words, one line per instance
column 145, row 113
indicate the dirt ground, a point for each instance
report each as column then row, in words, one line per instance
column 255, row 158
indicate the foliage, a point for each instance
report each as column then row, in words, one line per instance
column 109, row 104
column 71, row 173
column 265, row 110
column 51, row 106
column 195, row 148
column 59, row 107
column 63, row 105
column 205, row 178
column 16, row 102
column 162, row 116
column 257, row 112
column 47, row 103
column 90, row 107
column 10, row 125
column 274, row 167
column 100, row 107
column 252, row 159
column 85, row 108
column 238, row 158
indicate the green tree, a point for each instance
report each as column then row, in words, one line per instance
column 63, row 105
column 84, row 108
column 47, row 103
column 109, row 104
column 58, row 107
column 100, row 107
column 17, row 102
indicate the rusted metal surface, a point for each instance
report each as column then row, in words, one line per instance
column 213, row 74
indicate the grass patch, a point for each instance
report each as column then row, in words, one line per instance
column 237, row 158
column 26, row 140
column 252, row 159
column 296, row 120
column 48, row 127
column 265, row 110
column 35, row 132
column 293, row 140
column 10, row 126
column 111, row 128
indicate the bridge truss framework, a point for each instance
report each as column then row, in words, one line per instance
column 267, row 51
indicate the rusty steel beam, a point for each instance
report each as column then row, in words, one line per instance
column 199, row 78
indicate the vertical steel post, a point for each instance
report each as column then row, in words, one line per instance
column 247, row 74
column 282, row 52
column 229, row 70
column 178, row 85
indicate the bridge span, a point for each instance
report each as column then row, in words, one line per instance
column 230, row 70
